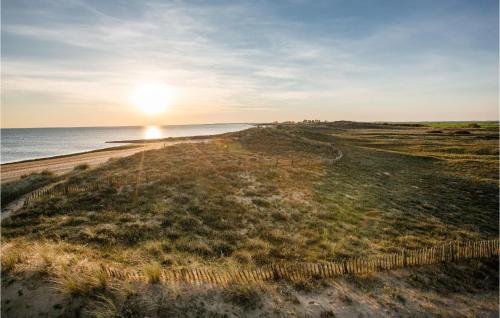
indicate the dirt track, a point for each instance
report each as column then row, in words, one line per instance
column 63, row 164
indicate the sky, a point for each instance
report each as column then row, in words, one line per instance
column 76, row 63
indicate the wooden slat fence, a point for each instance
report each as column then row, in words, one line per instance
column 64, row 189
column 449, row 252
column 118, row 181
column 60, row 189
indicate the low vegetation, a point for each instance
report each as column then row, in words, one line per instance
column 464, row 124
column 15, row 189
column 82, row 166
column 258, row 196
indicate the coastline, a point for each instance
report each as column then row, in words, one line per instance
column 64, row 163
column 84, row 141
column 69, row 154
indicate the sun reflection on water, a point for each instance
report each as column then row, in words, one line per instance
column 152, row 132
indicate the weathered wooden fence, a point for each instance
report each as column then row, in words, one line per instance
column 60, row 189
column 118, row 181
column 64, row 189
column 449, row 252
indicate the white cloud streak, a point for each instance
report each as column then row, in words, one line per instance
column 225, row 60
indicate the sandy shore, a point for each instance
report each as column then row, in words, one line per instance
column 63, row 164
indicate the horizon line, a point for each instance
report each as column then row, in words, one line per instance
column 268, row 122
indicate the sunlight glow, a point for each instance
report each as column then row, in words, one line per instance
column 152, row 132
column 152, row 98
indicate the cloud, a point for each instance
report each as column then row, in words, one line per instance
column 243, row 56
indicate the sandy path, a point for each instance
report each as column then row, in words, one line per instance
column 17, row 204
column 65, row 164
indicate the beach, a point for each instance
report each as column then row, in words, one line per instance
column 63, row 164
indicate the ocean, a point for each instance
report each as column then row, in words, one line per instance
column 32, row 143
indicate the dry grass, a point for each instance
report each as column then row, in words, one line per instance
column 73, row 284
column 153, row 272
column 198, row 203
column 106, row 308
column 9, row 261
column 239, row 201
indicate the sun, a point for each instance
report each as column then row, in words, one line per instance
column 152, row 98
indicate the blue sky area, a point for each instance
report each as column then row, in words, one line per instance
column 76, row 63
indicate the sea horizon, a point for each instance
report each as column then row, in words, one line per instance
column 127, row 126
column 23, row 144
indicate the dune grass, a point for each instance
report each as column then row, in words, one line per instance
column 254, row 197
column 263, row 195
column 14, row 189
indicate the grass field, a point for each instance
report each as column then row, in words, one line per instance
column 271, row 194
column 464, row 124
